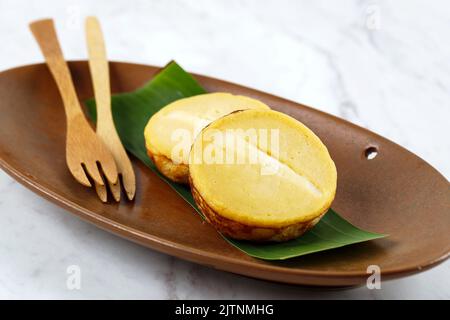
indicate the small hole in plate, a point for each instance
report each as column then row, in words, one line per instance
column 370, row 153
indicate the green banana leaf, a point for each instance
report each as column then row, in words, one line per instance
column 131, row 112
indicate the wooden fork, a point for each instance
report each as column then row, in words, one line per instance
column 106, row 130
column 85, row 152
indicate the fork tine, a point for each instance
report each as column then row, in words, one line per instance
column 115, row 190
column 79, row 175
column 92, row 170
column 101, row 192
column 110, row 170
column 129, row 184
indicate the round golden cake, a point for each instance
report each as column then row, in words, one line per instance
column 261, row 175
column 170, row 132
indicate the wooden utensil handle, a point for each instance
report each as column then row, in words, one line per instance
column 45, row 35
column 98, row 65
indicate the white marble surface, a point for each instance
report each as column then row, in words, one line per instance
column 381, row 64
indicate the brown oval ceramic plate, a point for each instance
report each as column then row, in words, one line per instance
column 395, row 193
